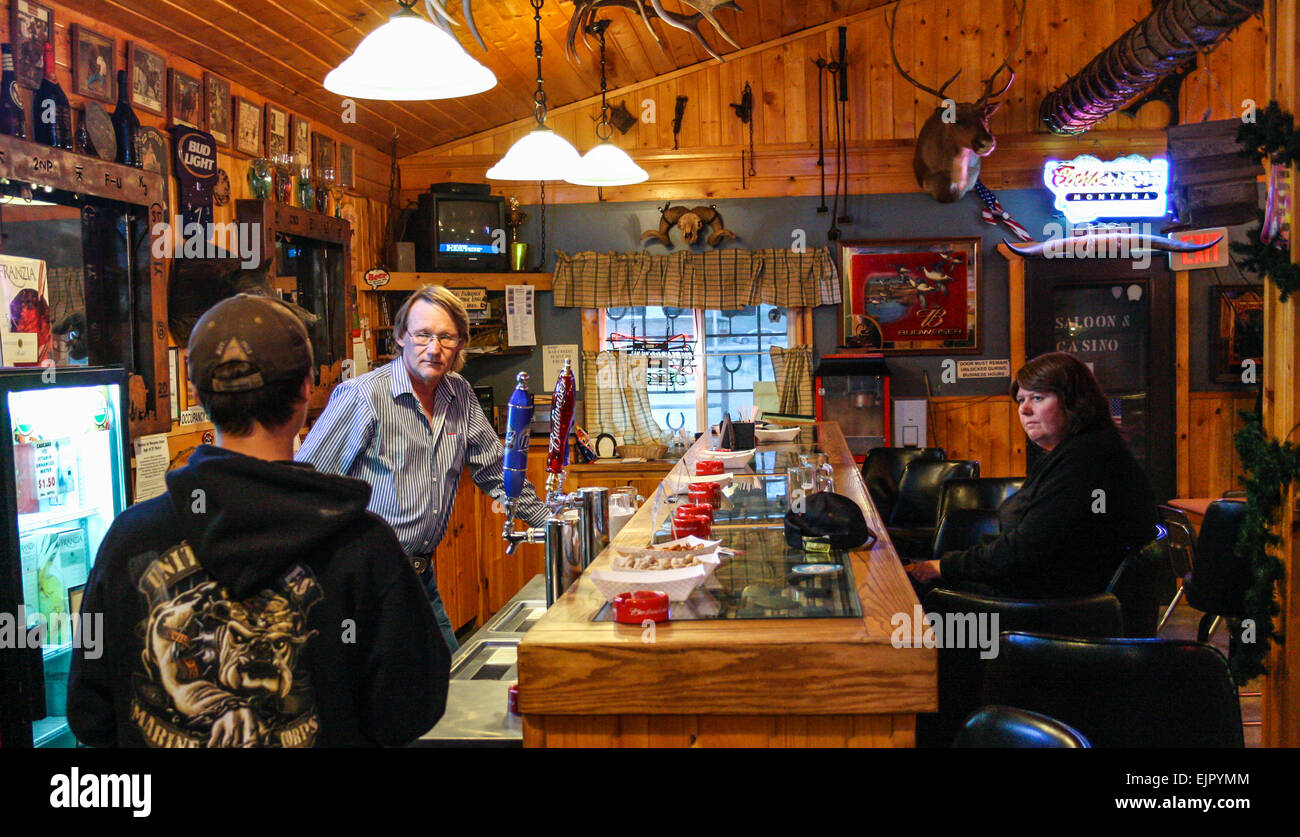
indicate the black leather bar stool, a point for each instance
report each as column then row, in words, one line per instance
column 1008, row 727
column 916, row 514
column 961, row 670
column 883, row 469
column 1120, row 692
column 961, row 529
column 1137, row 584
column 980, row 493
column 1217, row 583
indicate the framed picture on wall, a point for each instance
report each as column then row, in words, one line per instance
column 185, row 99
column 1236, row 331
column 277, row 131
column 216, row 99
column 146, row 71
column 911, row 296
column 248, row 127
column 322, row 155
column 300, row 140
column 347, row 163
column 94, row 64
column 30, row 26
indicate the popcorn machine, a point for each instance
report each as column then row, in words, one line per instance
column 853, row 389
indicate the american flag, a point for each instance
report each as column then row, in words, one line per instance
column 993, row 212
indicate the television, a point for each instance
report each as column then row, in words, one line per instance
column 460, row 231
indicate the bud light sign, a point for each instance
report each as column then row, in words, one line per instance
column 1087, row 188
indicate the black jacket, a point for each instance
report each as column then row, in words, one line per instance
column 1059, row 535
column 256, row 604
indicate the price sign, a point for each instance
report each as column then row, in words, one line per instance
column 46, row 466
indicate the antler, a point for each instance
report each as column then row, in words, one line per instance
column 1005, row 65
column 889, row 21
column 443, row 17
column 585, row 10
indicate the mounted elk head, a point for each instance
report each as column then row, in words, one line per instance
column 957, row 135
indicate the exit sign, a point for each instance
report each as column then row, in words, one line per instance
column 1216, row 256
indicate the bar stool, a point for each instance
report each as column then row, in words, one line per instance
column 979, row 493
column 916, row 514
column 883, row 469
column 1120, row 692
column 961, row 529
column 1217, row 583
column 1006, row 726
column 1182, row 551
column 961, row 670
column 1136, row 584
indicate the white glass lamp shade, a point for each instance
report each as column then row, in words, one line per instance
column 541, row 154
column 607, row 165
column 409, row 59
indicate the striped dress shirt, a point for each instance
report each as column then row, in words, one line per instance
column 375, row 429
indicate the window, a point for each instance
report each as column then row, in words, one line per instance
column 714, row 366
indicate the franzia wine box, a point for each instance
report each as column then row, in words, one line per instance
column 25, row 327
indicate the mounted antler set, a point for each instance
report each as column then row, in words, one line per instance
column 585, row 11
column 957, row 135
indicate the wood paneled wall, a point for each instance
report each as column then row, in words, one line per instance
column 365, row 207
column 983, row 428
column 883, row 113
column 1213, row 466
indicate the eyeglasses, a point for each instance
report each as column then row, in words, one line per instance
column 447, row 341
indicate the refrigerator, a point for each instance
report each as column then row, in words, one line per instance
column 63, row 467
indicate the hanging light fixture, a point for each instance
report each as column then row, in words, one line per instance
column 407, row 59
column 541, row 154
column 606, row 164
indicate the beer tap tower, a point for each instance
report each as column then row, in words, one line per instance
column 578, row 526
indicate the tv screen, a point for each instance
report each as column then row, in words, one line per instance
column 466, row 227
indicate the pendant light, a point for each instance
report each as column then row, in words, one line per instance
column 408, row 59
column 606, row 164
column 541, row 154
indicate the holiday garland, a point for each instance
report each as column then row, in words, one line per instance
column 1272, row 136
column 1270, row 467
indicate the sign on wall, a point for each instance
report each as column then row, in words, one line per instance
column 1087, row 188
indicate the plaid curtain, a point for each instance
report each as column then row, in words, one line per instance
column 618, row 402
column 794, row 383
column 711, row 279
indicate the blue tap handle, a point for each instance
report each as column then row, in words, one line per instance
column 519, row 428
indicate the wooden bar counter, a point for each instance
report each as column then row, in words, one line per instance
column 731, row 682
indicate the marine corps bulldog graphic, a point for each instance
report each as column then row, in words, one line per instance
column 220, row 672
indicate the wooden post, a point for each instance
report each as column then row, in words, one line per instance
column 1281, row 397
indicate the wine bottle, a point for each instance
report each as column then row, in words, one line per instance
column 126, row 126
column 13, row 121
column 51, row 115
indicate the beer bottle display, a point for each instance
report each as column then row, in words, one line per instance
column 51, row 116
column 13, row 121
column 126, row 126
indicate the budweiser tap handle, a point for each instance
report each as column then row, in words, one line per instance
column 557, row 453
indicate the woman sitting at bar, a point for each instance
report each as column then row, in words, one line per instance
column 1085, row 504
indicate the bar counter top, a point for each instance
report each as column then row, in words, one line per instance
column 731, row 682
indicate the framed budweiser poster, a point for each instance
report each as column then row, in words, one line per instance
column 911, row 296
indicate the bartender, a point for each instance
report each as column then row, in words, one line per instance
column 408, row 428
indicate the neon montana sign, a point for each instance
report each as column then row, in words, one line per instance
column 1087, row 188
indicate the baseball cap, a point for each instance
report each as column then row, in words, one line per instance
column 257, row 330
column 829, row 515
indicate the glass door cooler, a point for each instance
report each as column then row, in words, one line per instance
column 63, row 464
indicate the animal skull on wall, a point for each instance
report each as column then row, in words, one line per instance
column 690, row 222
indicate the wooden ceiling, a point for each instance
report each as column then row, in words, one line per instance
column 282, row 49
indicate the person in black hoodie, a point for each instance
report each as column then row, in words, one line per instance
column 1085, row 505
column 257, row 603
